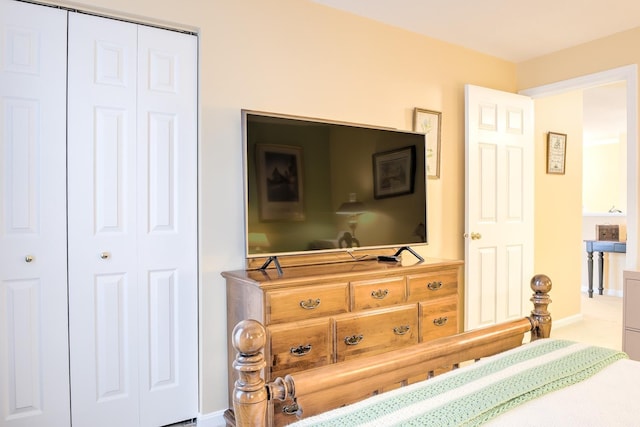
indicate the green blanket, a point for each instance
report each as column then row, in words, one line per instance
column 477, row 393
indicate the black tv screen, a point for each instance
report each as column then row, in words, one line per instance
column 318, row 185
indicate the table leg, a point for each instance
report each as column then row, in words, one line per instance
column 600, row 272
column 590, row 272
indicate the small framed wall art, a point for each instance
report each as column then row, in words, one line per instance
column 556, row 152
column 429, row 122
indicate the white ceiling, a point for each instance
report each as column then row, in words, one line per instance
column 509, row 29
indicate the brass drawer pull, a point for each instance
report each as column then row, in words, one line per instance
column 434, row 286
column 310, row 304
column 28, row 258
column 401, row 330
column 440, row 321
column 300, row 350
column 291, row 409
column 353, row 339
column 379, row 294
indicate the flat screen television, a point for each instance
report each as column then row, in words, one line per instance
column 315, row 185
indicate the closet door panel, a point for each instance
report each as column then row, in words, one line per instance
column 34, row 376
column 103, row 280
column 133, row 223
column 167, row 238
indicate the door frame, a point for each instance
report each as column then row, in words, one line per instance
column 628, row 74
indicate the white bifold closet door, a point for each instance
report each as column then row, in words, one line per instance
column 132, row 187
column 34, row 354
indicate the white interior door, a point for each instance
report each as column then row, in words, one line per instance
column 132, row 223
column 498, row 205
column 103, row 282
column 167, row 225
column 34, row 364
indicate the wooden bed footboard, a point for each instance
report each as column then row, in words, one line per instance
column 324, row 388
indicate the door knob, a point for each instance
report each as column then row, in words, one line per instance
column 474, row 236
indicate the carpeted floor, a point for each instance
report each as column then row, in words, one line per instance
column 601, row 323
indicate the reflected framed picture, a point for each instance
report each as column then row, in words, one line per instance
column 394, row 172
column 556, row 152
column 279, row 175
column 429, row 123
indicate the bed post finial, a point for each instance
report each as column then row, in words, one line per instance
column 541, row 285
column 249, row 392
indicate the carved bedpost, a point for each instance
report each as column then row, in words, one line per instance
column 249, row 393
column 541, row 285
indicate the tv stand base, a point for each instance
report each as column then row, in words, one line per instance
column 275, row 261
column 408, row 249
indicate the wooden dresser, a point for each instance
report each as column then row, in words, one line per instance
column 322, row 314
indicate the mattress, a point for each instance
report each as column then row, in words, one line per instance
column 523, row 386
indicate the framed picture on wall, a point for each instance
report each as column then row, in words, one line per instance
column 556, row 152
column 429, row 122
column 279, row 175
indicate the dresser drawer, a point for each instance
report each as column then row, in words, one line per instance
column 438, row 318
column 377, row 293
column 306, row 302
column 376, row 331
column 432, row 285
column 298, row 346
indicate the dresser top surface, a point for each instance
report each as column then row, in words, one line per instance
column 336, row 270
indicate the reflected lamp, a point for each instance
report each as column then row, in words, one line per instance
column 353, row 209
column 258, row 241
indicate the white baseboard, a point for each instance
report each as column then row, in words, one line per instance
column 566, row 321
column 610, row 292
column 212, row 419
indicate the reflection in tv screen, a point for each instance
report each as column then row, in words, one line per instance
column 314, row 185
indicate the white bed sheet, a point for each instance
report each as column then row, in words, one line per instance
column 609, row 398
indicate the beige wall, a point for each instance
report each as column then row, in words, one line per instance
column 297, row 57
column 600, row 55
column 605, row 176
column 597, row 56
column 558, row 202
